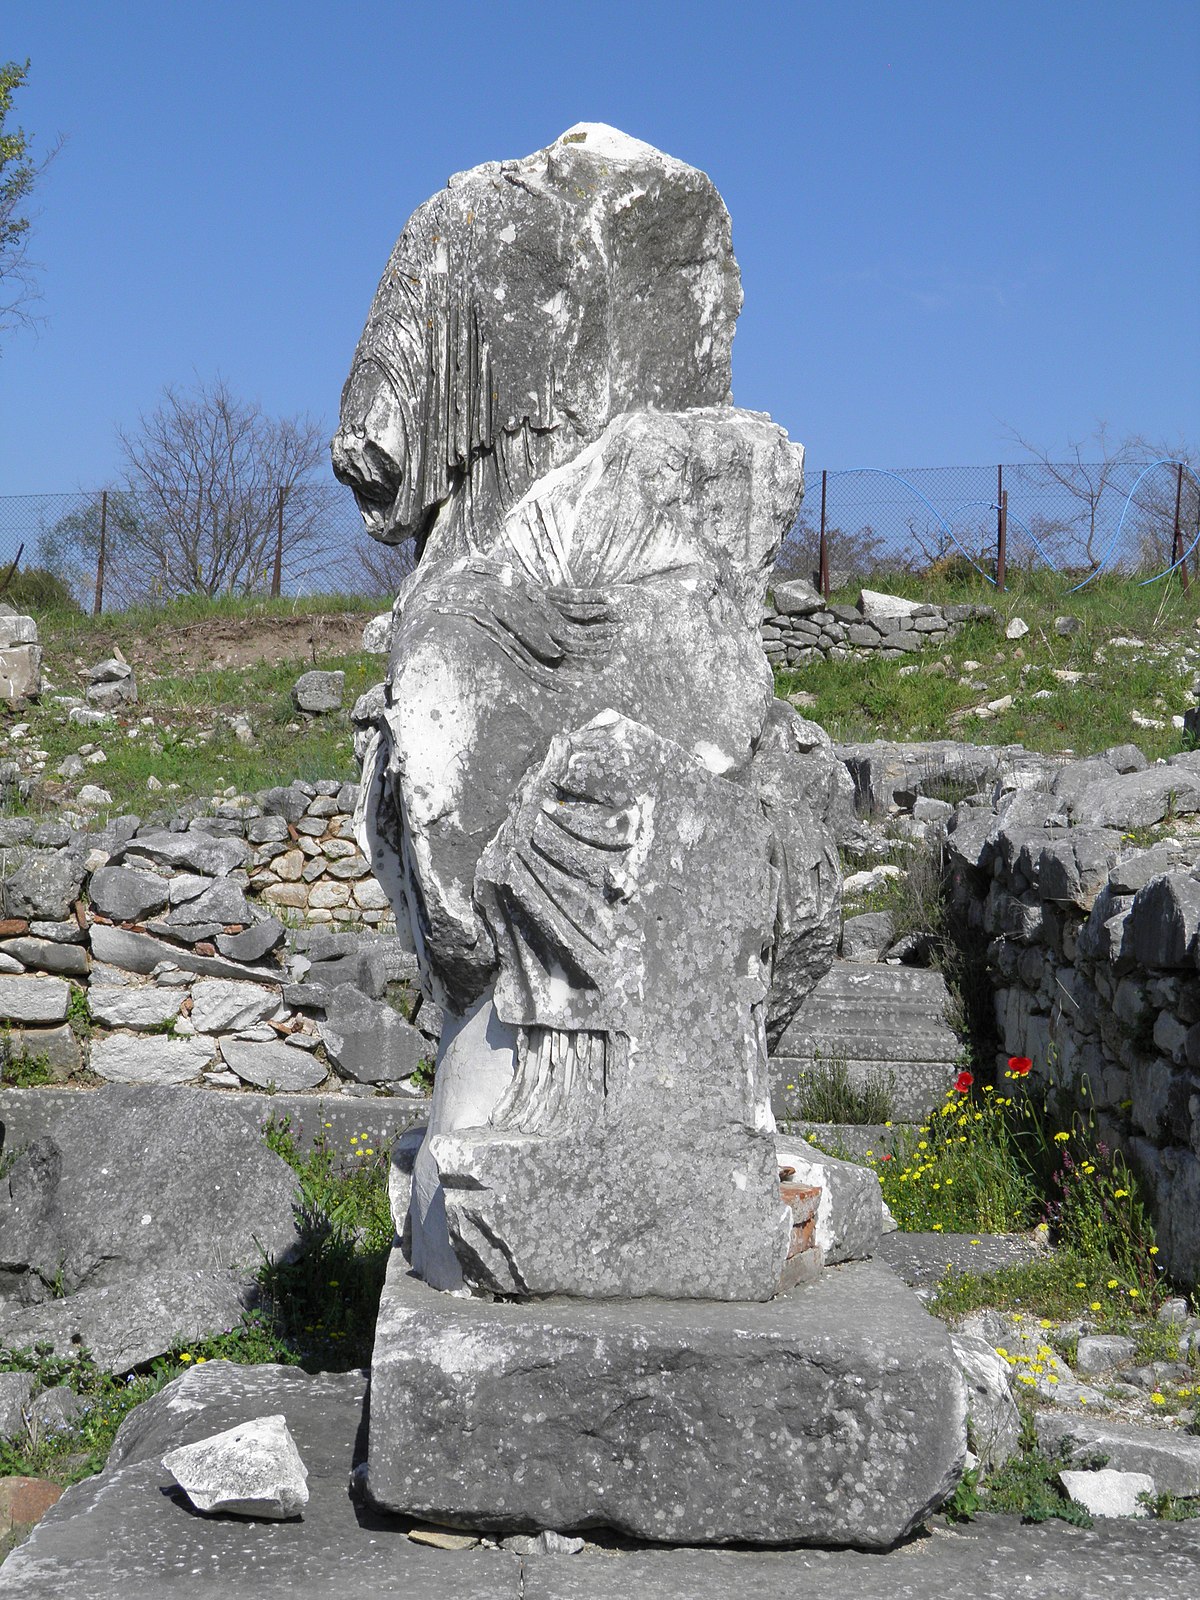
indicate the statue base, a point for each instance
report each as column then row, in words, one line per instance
column 831, row 1415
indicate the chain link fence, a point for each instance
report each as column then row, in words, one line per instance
column 115, row 549
column 1078, row 518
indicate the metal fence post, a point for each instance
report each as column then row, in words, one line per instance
column 823, row 549
column 98, row 602
column 1177, row 536
column 277, row 575
column 1001, row 530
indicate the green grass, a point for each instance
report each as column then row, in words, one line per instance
column 860, row 699
column 191, row 750
column 824, row 1093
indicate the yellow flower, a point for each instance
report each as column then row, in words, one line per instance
column 924, row 1145
column 1061, row 1138
column 1050, row 1378
column 353, row 1138
column 1095, row 1306
column 1088, row 1168
column 1111, row 1284
column 200, row 1360
column 1153, row 1249
column 937, row 1227
column 1081, row 1285
column 1120, row 1194
column 987, row 1089
column 1045, row 1323
column 185, row 1356
column 368, row 1152
column 976, row 1241
column 1157, row 1399
column 1133, row 1294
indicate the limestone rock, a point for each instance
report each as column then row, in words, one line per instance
column 125, row 894
column 126, row 1005
column 194, row 852
column 253, row 1470
column 1170, row 1456
column 33, row 999
column 1108, row 1493
column 125, row 1325
column 849, row 1218
column 796, row 598
column 20, row 672
column 122, row 1058
column 377, row 635
column 318, row 692
column 267, row 1065
column 47, row 955
column 222, row 1005
column 887, row 607
column 867, row 936
column 253, row 943
column 46, row 884
column 16, row 1391
column 698, row 1455
column 367, row 1040
column 993, row 1421
column 127, row 1178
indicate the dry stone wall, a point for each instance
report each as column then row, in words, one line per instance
column 1086, row 886
column 155, row 953
column 800, row 626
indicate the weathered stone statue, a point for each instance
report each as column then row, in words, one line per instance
column 563, row 796
column 604, row 836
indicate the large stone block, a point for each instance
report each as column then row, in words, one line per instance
column 834, row 1414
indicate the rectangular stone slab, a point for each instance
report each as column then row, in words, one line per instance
column 833, row 1414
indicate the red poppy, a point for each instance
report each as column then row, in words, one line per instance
column 1020, row 1065
column 963, row 1082
column 886, row 1158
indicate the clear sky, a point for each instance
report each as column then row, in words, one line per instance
column 949, row 216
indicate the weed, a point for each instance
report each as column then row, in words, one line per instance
column 23, row 1069
column 1169, row 1507
column 825, row 1093
column 347, row 1231
column 1026, row 1485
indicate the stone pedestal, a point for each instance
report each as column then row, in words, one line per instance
column 832, row 1415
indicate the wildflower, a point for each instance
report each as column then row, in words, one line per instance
column 924, row 1145
column 1153, row 1249
column 1045, row 1323
column 987, row 1089
column 185, row 1356
column 1095, row 1306
column 1088, row 1168
column 1019, row 1066
column 1120, row 1194
column 1112, row 1284
column 964, row 1081
column 937, row 1227
column 1061, row 1138
column 975, row 1241
column 1157, row 1399
column 1133, row 1294
column 368, row 1152
column 1081, row 1285
column 886, row 1158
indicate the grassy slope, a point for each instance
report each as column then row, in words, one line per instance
column 191, row 749
column 857, row 700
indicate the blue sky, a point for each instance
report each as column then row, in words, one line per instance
column 949, row 217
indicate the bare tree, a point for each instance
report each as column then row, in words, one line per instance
column 205, row 471
column 19, row 173
column 1095, row 478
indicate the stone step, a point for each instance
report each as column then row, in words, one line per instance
column 877, row 1020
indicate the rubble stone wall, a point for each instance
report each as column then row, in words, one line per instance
column 1088, row 893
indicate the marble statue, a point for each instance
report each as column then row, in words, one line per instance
column 581, row 795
